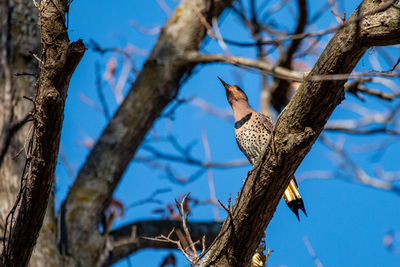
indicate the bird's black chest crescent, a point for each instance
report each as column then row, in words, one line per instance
column 242, row 121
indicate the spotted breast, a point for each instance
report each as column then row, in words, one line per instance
column 252, row 133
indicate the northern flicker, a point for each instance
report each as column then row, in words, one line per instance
column 253, row 131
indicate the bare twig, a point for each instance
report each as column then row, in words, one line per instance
column 145, row 30
column 335, row 11
column 188, row 249
column 225, row 114
column 125, row 52
column 395, row 65
column 391, row 241
column 5, row 139
column 355, row 19
column 220, row 40
column 38, row 59
column 65, row 162
column 367, row 124
column 186, row 157
column 100, row 93
column 164, row 6
column 355, row 171
column 117, row 90
column 91, row 103
column 311, row 251
column 150, row 199
column 210, row 176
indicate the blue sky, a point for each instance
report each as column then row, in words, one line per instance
column 346, row 223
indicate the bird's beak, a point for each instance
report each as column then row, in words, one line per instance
column 228, row 90
column 224, row 83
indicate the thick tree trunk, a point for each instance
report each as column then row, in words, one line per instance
column 23, row 36
column 36, row 174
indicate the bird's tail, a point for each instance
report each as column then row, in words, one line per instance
column 293, row 198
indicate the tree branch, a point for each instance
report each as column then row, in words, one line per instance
column 59, row 60
column 355, row 171
column 275, row 71
column 155, row 86
column 281, row 72
column 355, row 87
column 296, row 130
column 280, row 87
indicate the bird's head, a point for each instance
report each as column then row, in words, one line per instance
column 233, row 93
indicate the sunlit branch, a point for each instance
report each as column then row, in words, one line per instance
column 355, row 171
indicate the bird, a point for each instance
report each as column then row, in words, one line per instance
column 253, row 131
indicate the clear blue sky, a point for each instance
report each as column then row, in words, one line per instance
column 346, row 222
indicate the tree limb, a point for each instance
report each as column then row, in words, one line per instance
column 280, row 87
column 155, row 86
column 284, row 73
column 59, row 60
column 296, row 130
column 357, row 173
column 275, row 71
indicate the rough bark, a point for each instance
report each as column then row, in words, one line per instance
column 296, row 130
column 59, row 59
column 23, row 39
column 46, row 251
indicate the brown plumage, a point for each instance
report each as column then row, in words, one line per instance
column 253, row 131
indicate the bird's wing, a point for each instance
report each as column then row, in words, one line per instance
column 266, row 122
